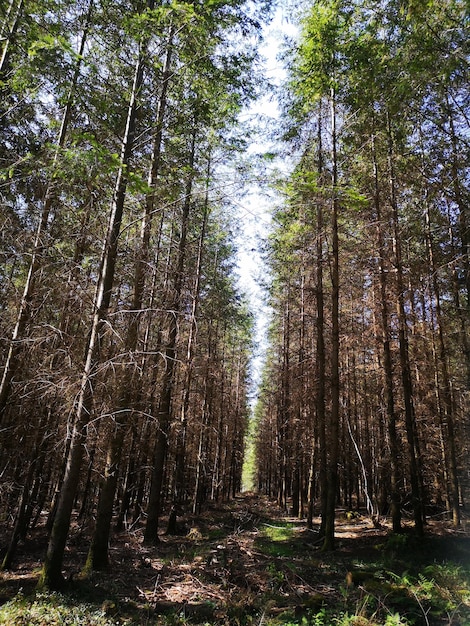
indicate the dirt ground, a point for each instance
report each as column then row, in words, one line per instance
column 237, row 559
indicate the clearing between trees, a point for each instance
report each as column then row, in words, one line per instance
column 246, row 562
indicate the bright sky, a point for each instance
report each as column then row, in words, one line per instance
column 256, row 207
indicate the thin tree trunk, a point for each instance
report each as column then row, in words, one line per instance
column 8, row 34
column 180, row 457
column 128, row 486
column 164, row 409
column 320, row 352
column 395, row 507
column 40, row 244
column 443, row 380
column 51, row 576
column 320, row 337
column 464, row 231
column 217, row 469
column 201, row 467
column 21, row 522
column 407, row 383
column 333, row 432
column 98, row 553
column 284, row 407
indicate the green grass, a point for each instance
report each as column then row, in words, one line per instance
column 277, row 540
column 278, row 533
column 391, row 580
column 439, row 595
column 57, row 609
column 406, row 581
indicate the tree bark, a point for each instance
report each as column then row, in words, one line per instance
column 164, row 409
column 98, row 553
column 333, row 431
column 407, row 384
column 320, row 347
column 40, row 242
column 8, row 34
column 179, row 484
column 464, row 232
column 444, row 392
column 51, row 576
column 393, row 441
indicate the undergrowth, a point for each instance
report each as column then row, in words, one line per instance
column 269, row 572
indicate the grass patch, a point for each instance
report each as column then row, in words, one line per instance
column 269, row 571
column 58, row 609
column 278, row 533
column 277, row 540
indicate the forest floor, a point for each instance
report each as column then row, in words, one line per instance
column 247, row 563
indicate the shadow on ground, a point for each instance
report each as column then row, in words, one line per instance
column 246, row 563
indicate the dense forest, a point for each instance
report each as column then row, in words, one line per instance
column 365, row 400
column 126, row 341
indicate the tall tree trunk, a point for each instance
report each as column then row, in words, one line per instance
column 40, row 242
column 444, row 392
column 98, row 553
column 180, row 455
column 21, row 521
column 320, row 346
column 201, row 467
column 8, row 33
column 464, row 232
column 285, row 407
column 406, row 379
column 217, row 465
column 51, row 576
column 393, row 442
column 333, row 431
column 164, row 409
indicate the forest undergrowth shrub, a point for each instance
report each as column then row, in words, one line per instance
column 278, row 533
column 277, row 540
column 439, row 590
column 56, row 609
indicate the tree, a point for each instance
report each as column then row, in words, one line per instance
column 39, row 245
column 51, row 575
column 383, row 150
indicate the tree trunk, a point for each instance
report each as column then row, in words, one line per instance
column 407, row 383
column 98, row 553
column 180, row 456
column 333, row 431
column 393, row 442
column 199, row 488
column 320, row 349
column 40, row 244
column 444, row 392
column 51, row 576
column 8, row 33
column 464, row 232
column 164, row 410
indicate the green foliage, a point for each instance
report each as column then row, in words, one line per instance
column 56, row 609
column 49, row 42
column 277, row 540
column 279, row 533
column 249, row 459
column 439, row 589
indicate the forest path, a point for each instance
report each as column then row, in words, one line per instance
column 246, row 562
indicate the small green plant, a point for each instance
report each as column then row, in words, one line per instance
column 394, row 620
column 56, row 609
column 277, row 540
column 276, row 577
column 279, row 533
column 398, row 543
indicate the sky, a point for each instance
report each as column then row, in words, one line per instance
column 255, row 208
